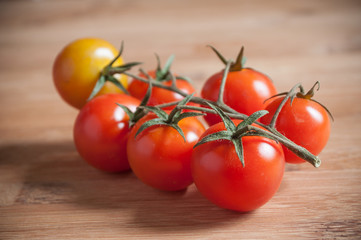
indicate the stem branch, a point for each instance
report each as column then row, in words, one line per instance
column 270, row 131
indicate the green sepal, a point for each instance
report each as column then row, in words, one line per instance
column 126, row 66
column 186, row 115
column 235, row 66
column 310, row 92
column 147, row 95
column 186, row 99
column 161, row 73
column 158, row 73
column 225, row 135
column 98, row 86
column 324, row 107
column 117, row 83
column 244, row 60
column 109, row 70
column 251, row 119
column 220, row 56
column 148, row 124
column 158, row 121
column 179, row 130
column 228, row 123
column 238, row 64
column 139, row 112
column 157, row 111
column 127, row 111
column 233, row 133
column 168, row 64
column 238, row 146
column 176, row 112
column 145, row 74
column 118, row 55
column 170, row 120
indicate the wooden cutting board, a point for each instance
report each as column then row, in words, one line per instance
column 48, row 192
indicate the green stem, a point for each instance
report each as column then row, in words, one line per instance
column 223, row 82
column 173, row 79
column 270, row 131
column 229, row 111
column 172, row 114
column 279, row 108
column 118, row 55
column 298, row 150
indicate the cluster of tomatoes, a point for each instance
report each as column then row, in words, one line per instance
column 170, row 136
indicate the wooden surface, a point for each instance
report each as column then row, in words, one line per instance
column 48, row 192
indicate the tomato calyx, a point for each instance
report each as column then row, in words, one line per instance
column 172, row 119
column 292, row 94
column 310, row 92
column 163, row 74
column 309, row 96
column 163, row 118
column 139, row 111
column 235, row 133
column 247, row 127
column 109, row 70
column 237, row 65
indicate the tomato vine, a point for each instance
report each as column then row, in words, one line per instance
column 235, row 133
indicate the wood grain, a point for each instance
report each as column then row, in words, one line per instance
column 48, row 192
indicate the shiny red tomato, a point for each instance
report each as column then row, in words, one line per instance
column 101, row 131
column 305, row 122
column 160, row 157
column 245, row 91
column 220, row 176
column 78, row 66
column 138, row 89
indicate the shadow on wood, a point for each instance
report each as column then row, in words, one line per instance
column 55, row 174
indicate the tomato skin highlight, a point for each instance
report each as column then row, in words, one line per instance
column 159, row 95
column 305, row 122
column 101, row 130
column 245, row 91
column 220, row 176
column 77, row 68
column 160, row 157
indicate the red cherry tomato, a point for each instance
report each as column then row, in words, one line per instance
column 245, row 91
column 160, row 157
column 101, row 131
column 77, row 68
column 158, row 96
column 305, row 122
column 220, row 176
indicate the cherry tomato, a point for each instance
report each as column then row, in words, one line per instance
column 305, row 122
column 160, row 157
column 78, row 66
column 101, row 130
column 220, row 176
column 138, row 89
column 245, row 91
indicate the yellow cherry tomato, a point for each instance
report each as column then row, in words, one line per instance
column 78, row 66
